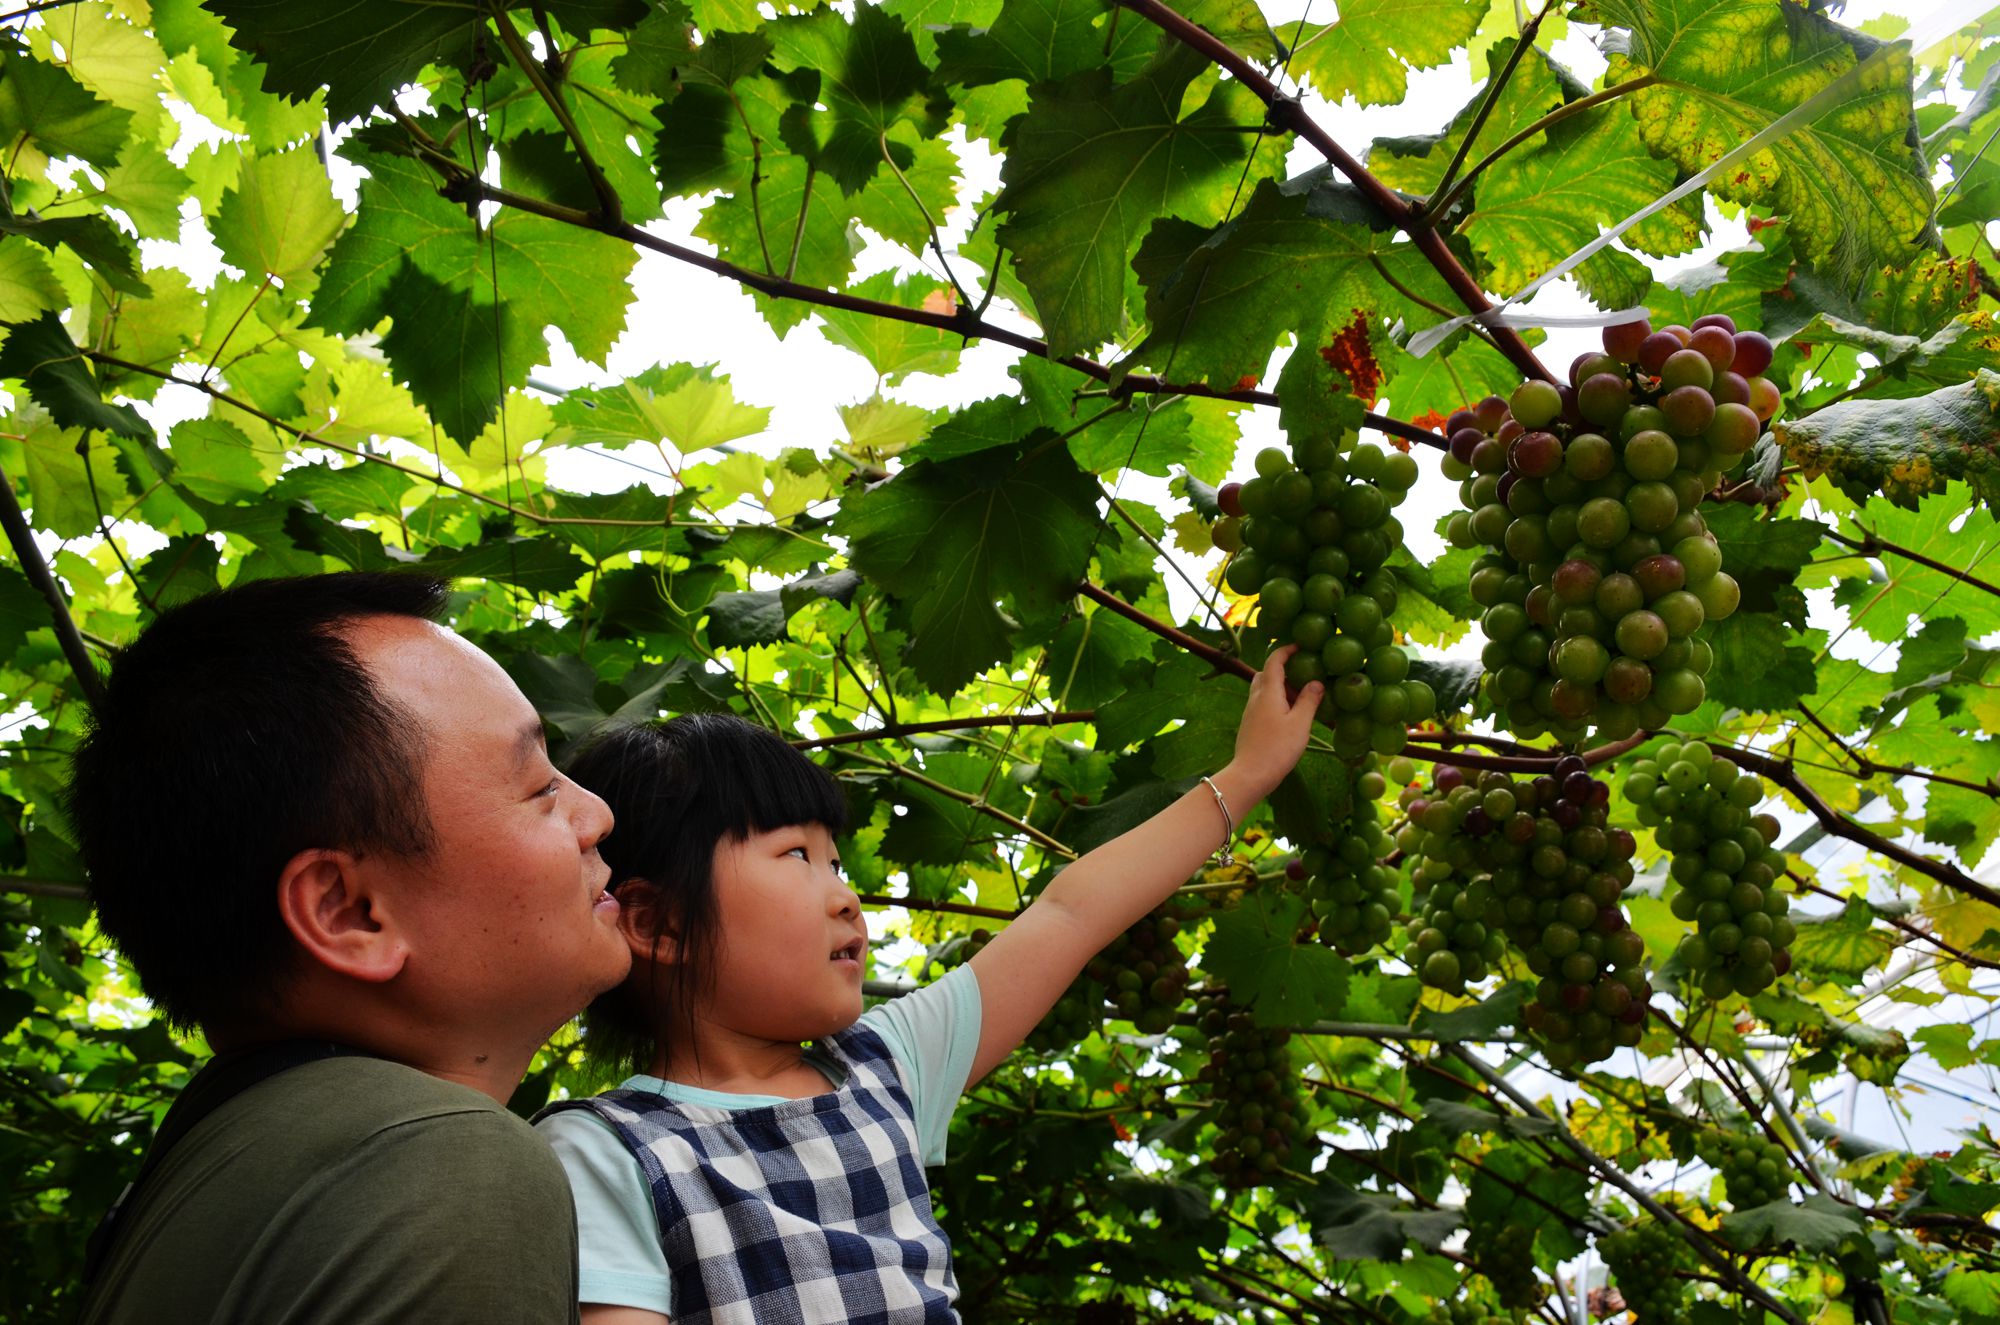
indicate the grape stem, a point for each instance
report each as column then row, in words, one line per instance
column 1804, row 1153
column 897, row 730
column 1443, row 205
column 1868, row 768
column 1287, row 114
column 1746, row 1100
column 36, row 568
column 1524, row 43
column 1914, row 931
column 963, row 321
column 950, row 908
column 1872, row 545
column 1699, row 1239
column 1781, row 772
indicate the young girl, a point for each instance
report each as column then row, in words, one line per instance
column 740, row 1176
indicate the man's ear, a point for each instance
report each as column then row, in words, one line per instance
column 339, row 918
column 651, row 935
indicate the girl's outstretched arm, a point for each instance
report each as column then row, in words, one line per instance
column 1024, row 970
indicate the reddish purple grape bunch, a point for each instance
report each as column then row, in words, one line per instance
column 1532, row 864
column 1598, row 571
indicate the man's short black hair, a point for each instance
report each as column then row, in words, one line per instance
column 238, row 730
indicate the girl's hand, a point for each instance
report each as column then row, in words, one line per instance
column 1274, row 730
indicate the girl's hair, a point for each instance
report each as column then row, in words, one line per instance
column 680, row 788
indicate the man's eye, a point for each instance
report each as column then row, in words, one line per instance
column 555, row 785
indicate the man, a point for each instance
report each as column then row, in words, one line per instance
column 326, row 833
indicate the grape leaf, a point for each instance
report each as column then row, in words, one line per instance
column 1817, row 1223
column 1369, row 50
column 1042, row 41
column 43, row 104
column 605, row 115
column 361, row 51
column 760, row 616
column 1159, row 694
column 687, row 407
column 1368, row 1226
column 1854, row 190
column 43, row 357
column 958, row 538
column 1905, row 449
column 1538, row 85
column 147, row 187
column 896, row 349
column 27, row 286
column 280, row 216
column 1283, row 982
column 1975, row 1292
column 22, row 609
column 871, row 79
column 1758, row 667
column 1941, row 529
column 826, row 243
column 564, row 275
column 1221, row 300
column 1844, row 947
column 92, row 238
column 1476, row 1020
column 1090, row 167
column 1534, row 208
column 108, row 55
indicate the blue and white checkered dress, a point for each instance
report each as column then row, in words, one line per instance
column 796, row 1213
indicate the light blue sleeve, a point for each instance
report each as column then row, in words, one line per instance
column 617, row 1230
column 933, row 1034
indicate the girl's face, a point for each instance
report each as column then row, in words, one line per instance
column 792, row 939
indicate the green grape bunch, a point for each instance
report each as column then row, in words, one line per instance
column 1259, row 1116
column 1075, row 1016
column 1309, row 536
column 1505, row 1254
column 1144, row 972
column 1353, row 897
column 1599, row 571
column 1724, row 862
column 1755, row 1170
column 1531, row 863
column 1465, row 1311
column 1643, row 1259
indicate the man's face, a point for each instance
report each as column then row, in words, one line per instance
column 507, row 921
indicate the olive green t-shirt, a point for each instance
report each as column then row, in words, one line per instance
column 348, row 1190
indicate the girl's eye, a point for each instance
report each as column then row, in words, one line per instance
column 800, row 852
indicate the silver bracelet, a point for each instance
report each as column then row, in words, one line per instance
column 1222, row 855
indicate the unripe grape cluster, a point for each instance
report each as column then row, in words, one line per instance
column 1259, row 1115
column 1310, row 539
column 1353, row 897
column 1465, row 1311
column 1144, row 972
column 1531, row 862
column 1727, row 869
column 1505, row 1254
column 1069, row 1023
column 1598, row 570
column 1642, row 1259
column 1755, row 1170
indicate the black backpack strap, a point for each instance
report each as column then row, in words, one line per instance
column 222, row 1079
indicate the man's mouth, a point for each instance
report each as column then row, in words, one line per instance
column 605, row 904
